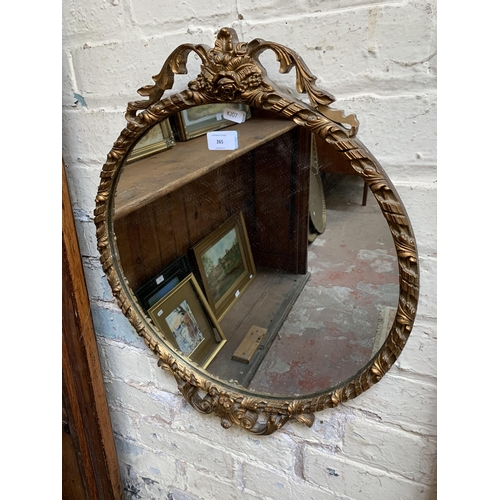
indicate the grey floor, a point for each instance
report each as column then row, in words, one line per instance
column 330, row 333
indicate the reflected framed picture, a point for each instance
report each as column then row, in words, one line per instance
column 187, row 323
column 225, row 263
column 161, row 284
column 199, row 120
column 159, row 138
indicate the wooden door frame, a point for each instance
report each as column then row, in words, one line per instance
column 85, row 409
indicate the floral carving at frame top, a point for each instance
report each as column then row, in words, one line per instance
column 231, row 71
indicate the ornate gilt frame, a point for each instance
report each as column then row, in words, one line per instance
column 231, row 72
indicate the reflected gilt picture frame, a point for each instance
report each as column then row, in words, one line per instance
column 159, row 138
column 199, row 120
column 164, row 282
column 225, row 263
column 187, row 323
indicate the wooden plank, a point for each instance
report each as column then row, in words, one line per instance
column 146, row 180
column 155, row 235
column 73, row 486
column 281, row 188
column 171, row 228
column 273, row 246
column 301, row 176
column 280, row 315
column 152, row 237
column 85, row 407
column 206, row 203
column 265, row 303
column 249, row 344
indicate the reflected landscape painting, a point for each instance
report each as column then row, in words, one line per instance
column 223, row 264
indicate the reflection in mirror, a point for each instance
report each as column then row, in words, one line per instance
column 321, row 300
column 347, row 307
column 159, row 138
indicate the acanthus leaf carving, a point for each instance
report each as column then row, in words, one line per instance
column 231, row 71
column 338, row 116
column 305, row 80
column 405, row 244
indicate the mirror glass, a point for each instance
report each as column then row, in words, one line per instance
column 269, row 263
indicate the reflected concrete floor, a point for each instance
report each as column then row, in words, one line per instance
column 330, row 333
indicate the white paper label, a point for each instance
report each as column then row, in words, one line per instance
column 235, row 115
column 160, row 279
column 219, row 116
column 237, row 293
column 160, row 312
column 221, row 140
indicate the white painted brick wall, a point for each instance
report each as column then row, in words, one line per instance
column 379, row 60
column 362, row 482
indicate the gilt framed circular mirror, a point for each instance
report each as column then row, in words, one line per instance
column 252, row 240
